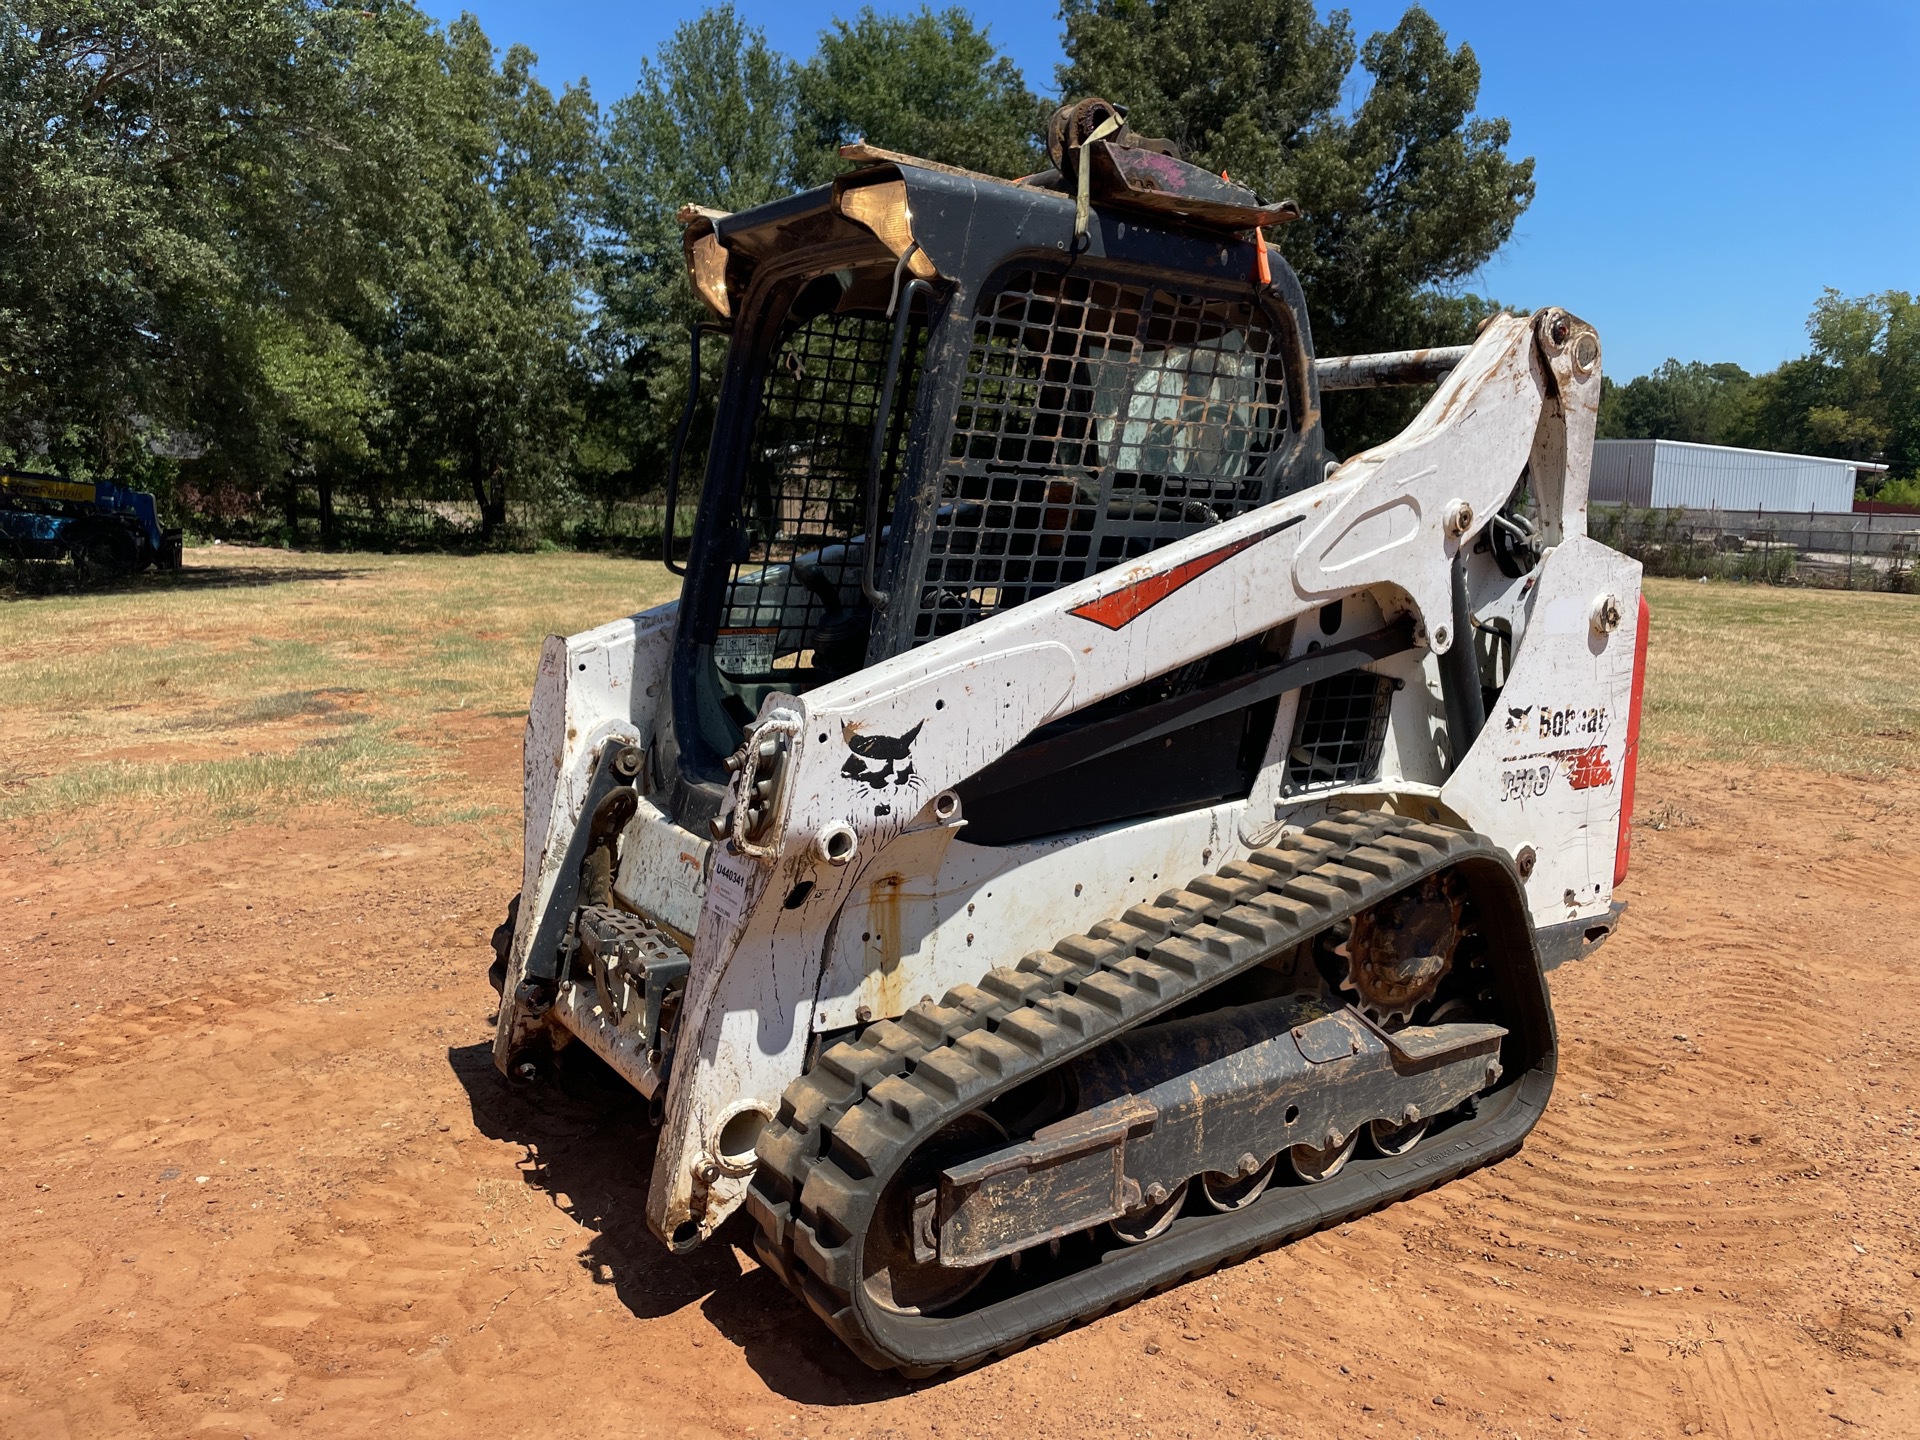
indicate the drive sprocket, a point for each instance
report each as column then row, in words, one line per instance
column 1398, row 951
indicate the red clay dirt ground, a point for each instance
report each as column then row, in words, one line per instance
column 261, row 1178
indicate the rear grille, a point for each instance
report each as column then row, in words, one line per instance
column 1340, row 731
column 1097, row 421
column 804, row 496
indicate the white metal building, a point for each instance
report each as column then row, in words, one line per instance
column 1666, row 474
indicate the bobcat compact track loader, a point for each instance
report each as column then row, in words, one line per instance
column 1072, row 831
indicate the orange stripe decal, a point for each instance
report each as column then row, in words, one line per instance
column 1127, row 604
column 1588, row 768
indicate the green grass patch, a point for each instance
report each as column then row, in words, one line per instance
column 1828, row 679
column 368, row 772
column 322, row 680
column 315, row 666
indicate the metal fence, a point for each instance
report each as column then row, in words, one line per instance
column 1840, row 551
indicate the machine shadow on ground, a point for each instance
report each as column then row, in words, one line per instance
column 590, row 1146
column 194, row 578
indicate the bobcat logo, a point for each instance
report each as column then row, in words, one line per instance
column 892, row 757
column 1517, row 716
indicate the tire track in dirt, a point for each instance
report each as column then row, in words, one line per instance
column 1641, row 1267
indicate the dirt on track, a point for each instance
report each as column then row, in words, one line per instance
column 261, row 1178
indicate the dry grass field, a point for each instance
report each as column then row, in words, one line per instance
column 1755, row 675
column 261, row 1179
column 259, row 681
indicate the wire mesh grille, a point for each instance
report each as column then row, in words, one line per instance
column 1340, row 732
column 800, row 527
column 1097, row 420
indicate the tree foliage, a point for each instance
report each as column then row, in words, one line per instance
column 292, row 240
column 711, row 122
column 925, row 84
column 486, row 345
column 1855, row 394
column 1694, row 401
column 165, row 169
column 278, row 248
column 1408, row 191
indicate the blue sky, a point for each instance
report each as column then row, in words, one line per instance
column 1704, row 167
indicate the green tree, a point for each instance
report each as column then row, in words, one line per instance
column 314, row 381
column 1403, row 196
column 487, row 345
column 710, row 122
column 1692, row 401
column 164, row 166
column 930, row 85
column 1854, row 395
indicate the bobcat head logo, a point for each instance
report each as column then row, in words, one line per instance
column 882, row 761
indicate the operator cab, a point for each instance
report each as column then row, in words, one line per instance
column 946, row 394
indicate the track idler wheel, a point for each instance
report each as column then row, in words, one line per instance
column 1393, row 1140
column 1224, row 1192
column 903, row 1269
column 1152, row 1219
column 1314, row 1166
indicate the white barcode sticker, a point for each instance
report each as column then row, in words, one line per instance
column 745, row 652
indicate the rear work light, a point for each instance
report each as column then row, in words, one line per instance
column 1630, row 761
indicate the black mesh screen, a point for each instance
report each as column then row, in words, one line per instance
column 1097, row 421
column 795, row 592
column 1339, row 731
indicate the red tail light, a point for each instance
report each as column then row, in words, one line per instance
column 1630, row 761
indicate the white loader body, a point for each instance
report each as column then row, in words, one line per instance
column 859, row 894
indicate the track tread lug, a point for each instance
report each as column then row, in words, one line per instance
column 991, row 1055
column 1256, row 925
column 1155, row 921
column 1315, row 892
column 1054, row 969
column 948, row 1070
column 1142, row 976
column 860, row 1141
column 1223, row 944
column 1032, row 1031
column 830, row 1264
column 1345, row 876
column 1190, row 903
column 1070, row 1013
column 1093, row 949
column 1127, row 939
column 1106, row 992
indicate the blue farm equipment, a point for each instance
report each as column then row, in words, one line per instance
column 105, row 529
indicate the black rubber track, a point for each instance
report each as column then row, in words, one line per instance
column 849, row 1124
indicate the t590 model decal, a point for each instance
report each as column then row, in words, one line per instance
column 1130, row 602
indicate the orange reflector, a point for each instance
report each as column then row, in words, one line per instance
column 1630, row 759
column 707, row 269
